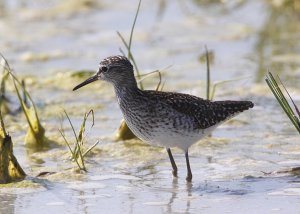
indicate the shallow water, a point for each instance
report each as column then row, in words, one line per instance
column 47, row 42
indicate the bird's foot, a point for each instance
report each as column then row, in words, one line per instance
column 189, row 178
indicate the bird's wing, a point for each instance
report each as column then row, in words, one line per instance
column 204, row 112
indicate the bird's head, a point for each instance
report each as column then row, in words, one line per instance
column 114, row 69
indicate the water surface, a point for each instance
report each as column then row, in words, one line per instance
column 48, row 42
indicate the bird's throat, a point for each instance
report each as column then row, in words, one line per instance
column 126, row 93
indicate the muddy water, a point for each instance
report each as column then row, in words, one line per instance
column 48, row 42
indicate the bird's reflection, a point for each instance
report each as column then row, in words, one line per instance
column 189, row 187
column 184, row 193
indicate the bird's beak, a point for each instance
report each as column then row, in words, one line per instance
column 89, row 80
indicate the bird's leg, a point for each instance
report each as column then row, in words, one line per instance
column 174, row 172
column 189, row 171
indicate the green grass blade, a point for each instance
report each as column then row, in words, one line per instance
column 133, row 25
column 279, row 99
column 281, row 96
column 25, row 109
column 159, row 82
column 74, row 133
column 128, row 46
column 81, row 135
column 130, row 56
column 89, row 149
column 296, row 108
column 73, row 155
column 66, row 141
column 207, row 74
column 146, row 75
column 82, row 159
column 162, row 86
column 273, row 85
column 26, row 93
column 214, row 87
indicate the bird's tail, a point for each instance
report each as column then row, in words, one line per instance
column 234, row 107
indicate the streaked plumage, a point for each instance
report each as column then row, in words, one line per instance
column 164, row 118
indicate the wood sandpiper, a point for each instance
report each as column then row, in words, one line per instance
column 164, row 119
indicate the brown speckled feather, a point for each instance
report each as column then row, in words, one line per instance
column 206, row 113
column 163, row 118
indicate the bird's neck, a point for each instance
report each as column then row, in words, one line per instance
column 126, row 91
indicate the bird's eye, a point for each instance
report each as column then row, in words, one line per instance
column 104, row 69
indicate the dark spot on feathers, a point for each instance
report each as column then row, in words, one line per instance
column 204, row 112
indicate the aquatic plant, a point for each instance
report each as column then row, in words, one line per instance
column 78, row 153
column 35, row 137
column 283, row 102
column 10, row 169
column 3, row 98
column 208, row 97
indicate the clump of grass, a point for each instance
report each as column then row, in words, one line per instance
column 290, row 109
column 283, row 102
column 78, row 152
column 10, row 169
column 35, row 137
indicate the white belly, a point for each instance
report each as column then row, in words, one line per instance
column 168, row 137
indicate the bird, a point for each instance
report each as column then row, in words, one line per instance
column 165, row 119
